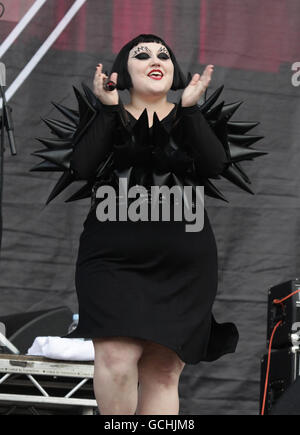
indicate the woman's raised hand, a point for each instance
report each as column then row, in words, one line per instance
column 196, row 87
column 106, row 97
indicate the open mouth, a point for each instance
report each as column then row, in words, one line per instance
column 155, row 75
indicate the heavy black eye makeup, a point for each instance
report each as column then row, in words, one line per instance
column 163, row 56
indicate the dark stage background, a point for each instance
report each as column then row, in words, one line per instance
column 253, row 45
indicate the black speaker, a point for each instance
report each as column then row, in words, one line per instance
column 283, row 369
column 289, row 402
column 23, row 328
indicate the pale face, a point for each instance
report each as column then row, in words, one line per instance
column 148, row 57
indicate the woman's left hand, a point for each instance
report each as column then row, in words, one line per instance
column 196, row 87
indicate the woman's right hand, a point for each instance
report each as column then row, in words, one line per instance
column 106, row 97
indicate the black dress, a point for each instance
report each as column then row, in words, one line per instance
column 150, row 280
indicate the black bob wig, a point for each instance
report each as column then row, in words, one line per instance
column 120, row 63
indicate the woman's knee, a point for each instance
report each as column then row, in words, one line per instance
column 159, row 364
column 117, row 353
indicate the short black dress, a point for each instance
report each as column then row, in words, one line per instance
column 150, row 280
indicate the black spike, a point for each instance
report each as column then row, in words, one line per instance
column 238, row 153
column 234, row 176
column 61, row 124
column 141, row 129
column 211, row 190
column 228, row 110
column 215, row 112
column 60, row 128
column 238, row 167
column 126, row 173
column 211, row 100
column 83, row 193
column 55, row 143
column 83, row 104
column 72, row 115
column 59, row 157
column 161, row 179
column 244, row 140
column 141, row 176
column 46, row 167
column 240, row 127
column 65, row 180
column 160, row 136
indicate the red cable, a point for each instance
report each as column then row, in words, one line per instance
column 279, row 301
column 268, row 368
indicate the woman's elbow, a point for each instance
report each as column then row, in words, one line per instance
column 212, row 167
column 80, row 169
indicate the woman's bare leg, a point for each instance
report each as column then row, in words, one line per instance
column 159, row 372
column 116, row 374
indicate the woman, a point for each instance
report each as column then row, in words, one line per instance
column 146, row 289
column 122, row 362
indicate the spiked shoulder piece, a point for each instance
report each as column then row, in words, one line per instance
column 146, row 156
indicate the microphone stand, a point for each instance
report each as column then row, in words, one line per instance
column 6, row 123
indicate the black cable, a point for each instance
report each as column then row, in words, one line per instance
column 2, row 9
